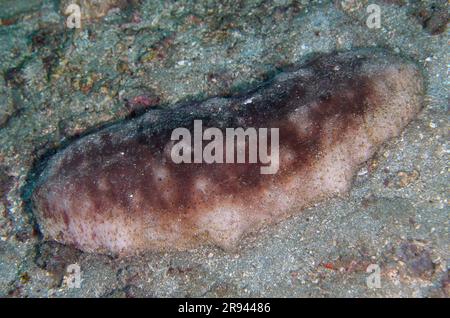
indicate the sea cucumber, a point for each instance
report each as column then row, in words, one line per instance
column 118, row 191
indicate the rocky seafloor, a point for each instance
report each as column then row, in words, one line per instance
column 57, row 82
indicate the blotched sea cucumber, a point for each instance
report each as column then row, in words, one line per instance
column 118, row 191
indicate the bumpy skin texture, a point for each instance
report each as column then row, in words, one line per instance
column 118, row 191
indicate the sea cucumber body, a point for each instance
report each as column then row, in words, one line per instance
column 118, row 191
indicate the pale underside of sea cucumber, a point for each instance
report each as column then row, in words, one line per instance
column 118, row 191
